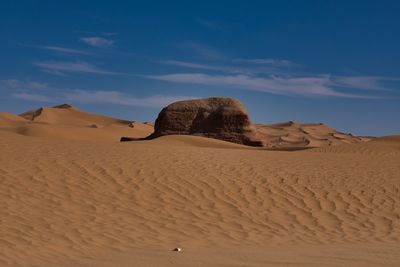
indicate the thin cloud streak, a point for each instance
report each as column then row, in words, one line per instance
column 223, row 68
column 118, row 98
column 212, row 25
column 58, row 49
column 310, row 86
column 32, row 97
column 12, row 84
column 99, row 42
column 373, row 83
column 200, row 50
column 275, row 76
column 109, row 33
column 65, row 50
column 100, row 97
column 269, row 61
column 62, row 67
column 194, row 65
column 188, row 64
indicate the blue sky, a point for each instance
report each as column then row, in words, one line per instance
column 336, row 62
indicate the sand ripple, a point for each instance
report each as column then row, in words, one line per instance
column 68, row 199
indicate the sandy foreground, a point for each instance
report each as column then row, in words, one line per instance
column 104, row 203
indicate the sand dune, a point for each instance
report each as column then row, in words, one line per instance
column 69, row 115
column 69, row 123
column 10, row 121
column 295, row 135
column 8, row 117
column 389, row 145
column 77, row 203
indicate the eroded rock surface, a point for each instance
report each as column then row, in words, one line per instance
column 220, row 118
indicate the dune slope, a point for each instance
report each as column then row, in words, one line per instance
column 69, row 123
column 292, row 135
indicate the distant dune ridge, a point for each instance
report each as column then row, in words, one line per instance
column 68, row 115
column 292, row 135
column 69, row 123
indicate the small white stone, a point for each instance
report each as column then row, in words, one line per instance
column 178, row 249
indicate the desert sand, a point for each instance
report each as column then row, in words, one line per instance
column 291, row 135
column 73, row 195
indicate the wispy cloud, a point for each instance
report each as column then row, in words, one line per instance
column 40, row 92
column 269, row 61
column 194, row 65
column 65, row 50
column 364, row 82
column 109, row 33
column 201, row 50
column 32, row 97
column 58, row 49
column 102, row 97
column 225, row 68
column 212, row 25
column 118, row 98
column 276, row 76
column 321, row 85
column 62, row 67
column 241, row 66
column 98, row 41
column 13, row 84
column 188, row 64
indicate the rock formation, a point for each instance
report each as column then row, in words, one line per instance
column 216, row 117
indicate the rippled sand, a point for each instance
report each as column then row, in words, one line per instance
column 82, row 203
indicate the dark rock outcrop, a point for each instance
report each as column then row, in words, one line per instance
column 94, row 125
column 127, row 139
column 63, row 106
column 220, row 118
